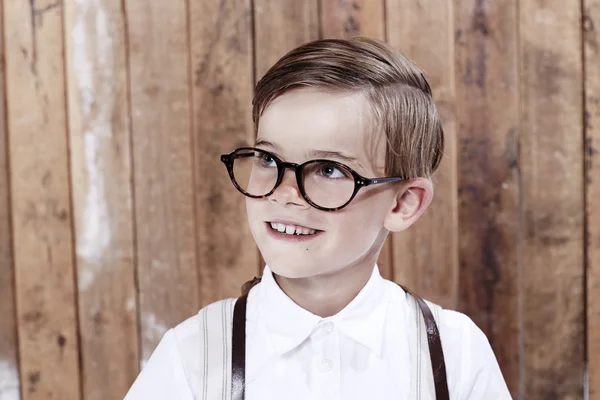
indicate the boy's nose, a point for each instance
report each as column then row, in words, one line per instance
column 288, row 192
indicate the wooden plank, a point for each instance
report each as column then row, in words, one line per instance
column 553, row 205
column 41, row 210
column 348, row 18
column 345, row 19
column 591, row 26
column 488, row 174
column 280, row 26
column 9, row 369
column 223, row 81
column 101, row 171
column 164, row 198
column 425, row 256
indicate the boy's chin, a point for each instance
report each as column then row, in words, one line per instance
column 291, row 271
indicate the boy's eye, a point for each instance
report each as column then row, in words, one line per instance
column 331, row 171
column 266, row 160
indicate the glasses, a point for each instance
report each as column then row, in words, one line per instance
column 324, row 184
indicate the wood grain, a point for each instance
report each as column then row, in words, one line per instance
column 102, row 199
column 553, row 204
column 223, row 81
column 345, row 19
column 41, row 210
column 163, row 167
column 488, row 175
column 348, row 18
column 425, row 256
column 9, row 368
column 280, row 26
column 591, row 25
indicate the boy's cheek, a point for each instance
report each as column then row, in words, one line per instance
column 251, row 209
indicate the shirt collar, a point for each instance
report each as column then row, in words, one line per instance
column 289, row 325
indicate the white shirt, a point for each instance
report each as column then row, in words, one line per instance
column 360, row 353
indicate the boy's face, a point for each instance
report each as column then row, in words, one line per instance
column 294, row 127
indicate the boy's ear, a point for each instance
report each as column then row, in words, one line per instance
column 412, row 199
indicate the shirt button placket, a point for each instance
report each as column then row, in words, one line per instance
column 326, row 373
column 326, row 365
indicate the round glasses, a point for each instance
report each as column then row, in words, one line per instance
column 324, row 184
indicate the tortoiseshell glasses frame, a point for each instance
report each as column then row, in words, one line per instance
column 298, row 169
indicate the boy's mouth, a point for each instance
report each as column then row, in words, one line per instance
column 292, row 230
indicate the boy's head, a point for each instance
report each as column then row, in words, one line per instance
column 357, row 102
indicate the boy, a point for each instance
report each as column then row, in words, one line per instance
column 322, row 323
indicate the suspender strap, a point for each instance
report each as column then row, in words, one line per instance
column 238, row 351
column 238, row 343
column 436, row 352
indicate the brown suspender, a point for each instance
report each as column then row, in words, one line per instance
column 238, row 350
column 436, row 354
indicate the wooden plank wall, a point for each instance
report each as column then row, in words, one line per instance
column 591, row 85
column 163, row 169
column 117, row 220
column 552, row 194
column 101, row 172
column 40, row 197
column 591, row 49
column 222, row 77
column 9, row 369
column 487, row 89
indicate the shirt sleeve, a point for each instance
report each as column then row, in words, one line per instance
column 163, row 377
column 472, row 369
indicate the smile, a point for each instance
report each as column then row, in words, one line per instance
column 291, row 229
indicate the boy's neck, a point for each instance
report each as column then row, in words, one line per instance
column 327, row 295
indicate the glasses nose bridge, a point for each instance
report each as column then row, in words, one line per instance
column 283, row 166
column 296, row 169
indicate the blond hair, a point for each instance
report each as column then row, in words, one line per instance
column 399, row 95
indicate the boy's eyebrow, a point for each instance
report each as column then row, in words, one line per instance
column 334, row 154
column 261, row 142
column 315, row 153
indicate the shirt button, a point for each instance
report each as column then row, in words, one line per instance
column 326, row 365
column 328, row 327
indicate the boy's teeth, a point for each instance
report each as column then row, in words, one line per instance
column 291, row 229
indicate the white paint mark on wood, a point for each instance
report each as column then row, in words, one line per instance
column 153, row 330
column 130, row 306
column 9, row 381
column 94, row 63
column 158, row 265
column 96, row 236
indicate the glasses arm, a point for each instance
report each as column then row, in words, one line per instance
column 375, row 181
column 225, row 158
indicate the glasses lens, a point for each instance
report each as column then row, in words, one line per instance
column 255, row 172
column 328, row 184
